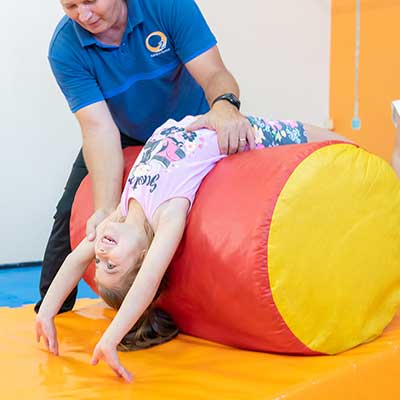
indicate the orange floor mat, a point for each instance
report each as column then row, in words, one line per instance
column 185, row 368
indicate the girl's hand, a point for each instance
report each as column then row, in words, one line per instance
column 108, row 353
column 46, row 328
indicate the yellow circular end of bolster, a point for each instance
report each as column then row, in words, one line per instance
column 334, row 248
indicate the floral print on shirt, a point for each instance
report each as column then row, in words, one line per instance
column 162, row 151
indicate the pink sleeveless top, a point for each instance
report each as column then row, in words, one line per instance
column 172, row 163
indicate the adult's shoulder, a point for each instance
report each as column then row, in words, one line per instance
column 64, row 38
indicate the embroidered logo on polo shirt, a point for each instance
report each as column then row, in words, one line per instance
column 156, row 43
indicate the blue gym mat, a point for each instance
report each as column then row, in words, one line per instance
column 19, row 286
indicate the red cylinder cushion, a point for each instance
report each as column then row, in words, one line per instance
column 277, row 252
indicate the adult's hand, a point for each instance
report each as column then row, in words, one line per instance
column 94, row 221
column 233, row 129
column 107, row 352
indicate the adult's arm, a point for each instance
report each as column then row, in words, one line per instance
column 234, row 130
column 104, row 160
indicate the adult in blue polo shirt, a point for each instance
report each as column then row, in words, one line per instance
column 125, row 67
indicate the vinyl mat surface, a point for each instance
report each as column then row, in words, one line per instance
column 185, row 368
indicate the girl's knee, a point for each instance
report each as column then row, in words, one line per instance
column 318, row 134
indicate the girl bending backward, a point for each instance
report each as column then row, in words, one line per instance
column 135, row 245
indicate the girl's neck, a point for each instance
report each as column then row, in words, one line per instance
column 137, row 217
column 135, row 214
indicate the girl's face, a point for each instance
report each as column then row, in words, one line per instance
column 118, row 247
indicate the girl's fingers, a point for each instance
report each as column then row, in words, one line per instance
column 117, row 372
column 46, row 342
column 95, row 360
column 119, row 369
column 53, row 346
column 114, row 364
column 126, row 375
column 113, row 361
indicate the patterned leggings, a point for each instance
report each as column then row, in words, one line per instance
column 277, row 133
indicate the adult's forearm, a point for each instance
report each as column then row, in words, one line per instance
column 104, row 160
column 219, row 83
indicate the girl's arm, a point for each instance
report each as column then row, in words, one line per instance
column 66, row 279
column 166, row 240
column 71, row 272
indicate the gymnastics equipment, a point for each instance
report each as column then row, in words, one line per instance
column 292, row 249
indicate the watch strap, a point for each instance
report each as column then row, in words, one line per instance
column 228, row 97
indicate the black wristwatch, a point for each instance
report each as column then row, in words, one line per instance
column 228, row 97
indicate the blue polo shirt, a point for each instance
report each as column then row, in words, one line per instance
column 144, row 80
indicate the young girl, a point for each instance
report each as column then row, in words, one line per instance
column 135, row 245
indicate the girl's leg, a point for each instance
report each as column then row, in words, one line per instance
column 396, row 152
column 317, row 134
column 271, row 133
